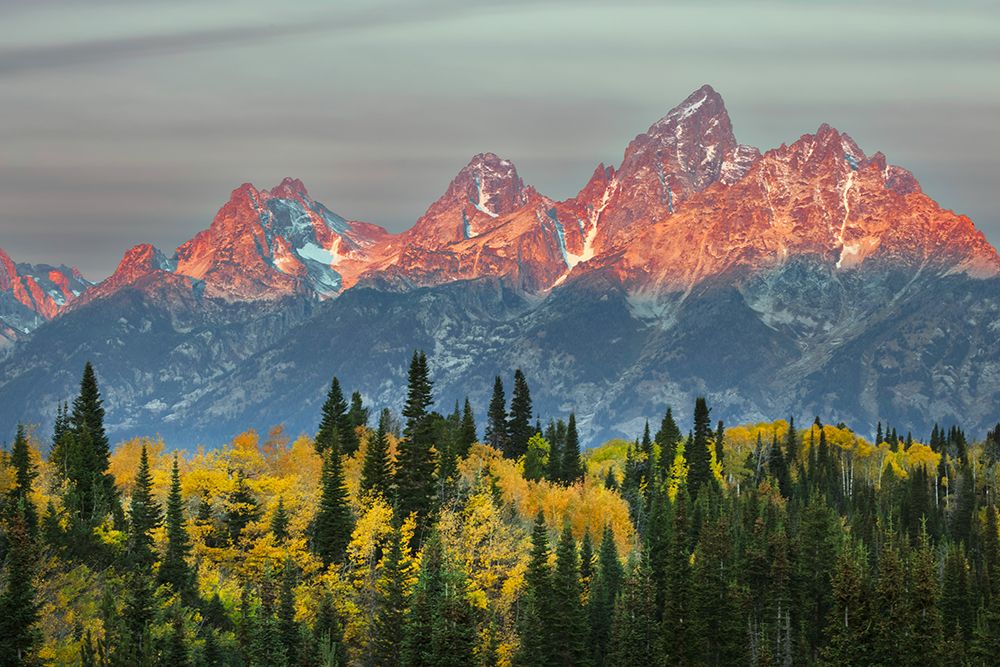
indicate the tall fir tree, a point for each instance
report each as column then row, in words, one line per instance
column 376, row 470
column 19, row 496
column 19, row 607
column 633, row 628
column 388, row 619
column 601, row 601
column 698, row 457
column 415, row 483
column 567, row 613
column 174, row 569
column 536, row 648
column 668, row 437
column 496, row 419
column 241, row 508
column 144, row 516
column 336, row 426
column 358, row 412
column 279, row 521
column 89, row 457
column 467, row 433
column 519, row 427
column 572, row 464
column 334, row 522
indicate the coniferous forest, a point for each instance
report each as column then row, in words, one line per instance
column 425, row 538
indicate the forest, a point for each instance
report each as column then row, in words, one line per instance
column 420, row 539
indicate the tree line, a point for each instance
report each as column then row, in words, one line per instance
column 415, row 542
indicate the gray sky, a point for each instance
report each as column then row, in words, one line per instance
column 124, row 122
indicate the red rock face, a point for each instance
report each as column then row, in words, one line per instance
column 688, row 203
column 820, row 197
column 41, row 289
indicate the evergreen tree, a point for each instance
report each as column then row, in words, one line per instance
column 675, row 636
column 144, row 516
column 376, row 470
column 668, row 438
column 633, row 631
column 778, row 467
column 715, row 625
column 496, row 419
column 700, row 472
column 334, row 523
column 439, row 625
column 19, row 495
column 536, row 649
column 519, row 428
column 415, row 484
column 388, row 620
column 336, row 426
column 280, row 521
column 94, row 494
column 178, row 652
column 848, row 626
column 19, row 608
column 174, row 569
column 328, row 636
column 288, row 628
column 358, row 413
column 818, row 546
column 567, row 614
column 603, row 593
column 467, row 432
column 241, row 508
column 572, row 467
column 720, row 442
column 924, row 604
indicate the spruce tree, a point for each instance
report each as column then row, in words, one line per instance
column 144, row 516
column 19, row 608
column 519, row 428
column 603, row 593
column 358, row 413
column 415, row 484
column 336, row 427
column 376, row 470
column 280, row 521
column 467, row 433
column 328, row 635
column 496, row 419
column 720, row 440
column 567, row 614
column 700, row 472
column 848, row 640
column 778, row 467
column 534, row 617
column 89, row 455
column 333, row 523
column 178, row 651
column 288, row 628
column 19, row 495
column 675, row 636
column 388, row 620
column 174, row 570
column 572, row 465
column 633, row 628
column 668, row 438
column 241, row 508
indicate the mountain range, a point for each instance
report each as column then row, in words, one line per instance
column 811, row 279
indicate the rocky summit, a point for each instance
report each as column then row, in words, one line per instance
column 809, row 279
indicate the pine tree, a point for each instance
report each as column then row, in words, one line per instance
column 778, row 467
column 376, row 470
column 288, row 628
column 280, row 521
column 467, row 432
column 144, row 516
column 336, row 427
column 519, row 428
column 715, row 623
column 19, row 608
column 567, row 614
column 720, row 442
column 572, row 467
column 89, row 455
column 174, row 569
column 633, row 628
column 818, row 546
column 415, row 484
column 536, row 649
column 241, row 508
column 19, row 495
column 847, row 629
column 700, row 472
column 334, row 523
column 388, row 620
column 496, row 419
column 667, row 438
column 439, row 625
column 178, row 652
column 603, row 593
column 328, row 636
column 358, row 413
column 675, row 635
column 924, row 603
